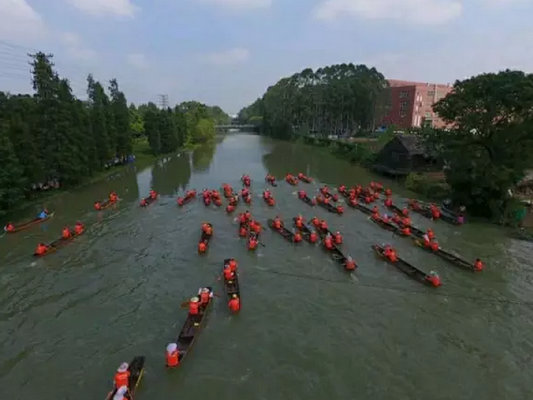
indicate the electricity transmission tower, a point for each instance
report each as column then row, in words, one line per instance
column 163, row 101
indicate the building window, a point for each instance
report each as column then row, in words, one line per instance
column 403, row 106
column 404, row 94
column 431, row 93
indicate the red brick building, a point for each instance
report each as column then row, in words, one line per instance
column 412, row 104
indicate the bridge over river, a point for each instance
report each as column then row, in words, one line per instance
column 236, row 127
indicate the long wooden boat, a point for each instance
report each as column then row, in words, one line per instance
column 270, row 204
column 330, row 207
column 304, row 178
column 291, row 180
column 205, row 237
column 304, row 230
column 187, row 198
column 28, row 224
column 388, row 226
column 306, row 199
column 426, row 212
column 394, row 208
column 106, row 204
column 136, row 368
column 283, row 231
column 446, row 255
column 272, row 182
column 59, row 243
column 232, row 287
column 405, row 267
column 337, row 255
column 147, row 201
column 191, row 328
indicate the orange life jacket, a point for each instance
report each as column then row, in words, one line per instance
column 228, row 274
column 40, row 250
column 478, row 265
column 313, row 237
column 338, row 239
column 392, row 256
column 328, row 243
column 297, row 237
column 66, row 233
column 122, row 379
column 243, row 231
column 194, row 307
column 252, row 244
column 78, row 229
column 10, row 227
column 234, row 305
column 277, row 224
column 202, row 247
column 350, row 265
column 173, row 359
column 233, row 265
column 434, row 246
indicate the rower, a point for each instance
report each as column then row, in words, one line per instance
column 323, row 225
column 208, row 229
column 435, row 212
column 122, row 376
column 405, row 212
column 252, row 242
column 121, row 393
column 266, row 194
column 388, row 192
column 299, row 221
column 328, row 242
column 245, row 192
column 202, row 246
column 300, row 175
column 271, row 202
column 375, row 215
column 205, row 296
column 180, row 201
column 97, row 206
column 43, row 214
column 434, row 245
column 9, row 227
column 153, row 194
column 205, row 193
column 233, row 264
column 243, row 231
column 277, row 223
column 326, row 200
column 388, row 202
column 427, row 240
column 41, row 249
column 390, row 253
column 143, row 203
column 460, row 219
column 342, row 188
column 247, row 215
column 172, row 355
column 338, row 238
column 433, row 278
column 65, row 234
column 256, row 227
column 375, row 210
column 228, row 273
column 376, row 195
column 478, row 265
column 385, row 218
column 297, row 237
column 234, row 304
column 353, row 202
column 78, row 228
column 340, row 209
column 430, row 234
column 302, row 194
column 315, row 222
column 313, row 237
column 368, row 199
column 194, row 306
column 242, row 218
column 113, row 197
column 406, row 221
column 350, row 264
column 230, row 208
column 406, row 231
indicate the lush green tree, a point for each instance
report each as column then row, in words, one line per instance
column 99, row 112
column 121, row 119
column 11, row 175
column 204, row 130
column 151, row 127
column 136, row 121
column 167, row 131
column 490, row 140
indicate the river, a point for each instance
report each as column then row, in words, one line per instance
column 307, row 329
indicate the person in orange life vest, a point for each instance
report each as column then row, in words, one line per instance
column 297, row 238
column 340, row 209
column 388, row 192
column 435, row 212
column 326, row 200
column 301, row 194
column 460, row 219
column 78, row 228
column 368, row 199
column 376, row 195
column 396, row 219
column 252, row 224
column 313, row 237
column 352, row 193
column 406, row 230
column 338, row 238
column 243, row 231
column 194, row 306
column 113, row 197
column 266, row 194
column 202, row 246
column 207, row 201
column 172, row 355
column 300, row 175
column 433, row 278
column 385, row 218
column 205, row 296
column 121, row 393
column 228, row 273
column 406, row 221
column 319, row 199
column 208, row 230
column 233, row 264
column 431, row 234
column 277, row 223
column 349, row 264
column 391, row 255
column 122, row 376
column 180, row 201
column 427, row 240
column 247, row 215
column 323, row 225
column 353, row 201
column 434, row 245
column 242, row 218
column 205, row 193
column 245, row 192
column 218, row 202
column 478, row 265
column 248, row 199
column 375, row 215
column 388, row 202
column 9, row 227
column 205, row 225
column 375, row 210
column 342, row 188
column 230, row 208
column 299, row 222
column 372, row 185
column 97, row 206
column 257, row 227
column 153, row 194
column 143, row 202
column 252, row 243
column 405, row 212
column 41, row 249
column 234, row 304
column 65, row 234
column 271, row 201
column 328, row 242
column 335, row 197
column 315, row 222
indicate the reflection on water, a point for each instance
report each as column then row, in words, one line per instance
column 170, row 174
column 202, row 156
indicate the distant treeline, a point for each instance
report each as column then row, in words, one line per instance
column 52, row 139
column 339, row 99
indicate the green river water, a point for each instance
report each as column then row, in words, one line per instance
column 307, row 329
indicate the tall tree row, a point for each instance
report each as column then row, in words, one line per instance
column 338, row 99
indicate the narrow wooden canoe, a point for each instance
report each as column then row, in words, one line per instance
column 136, row 368
column 232, row 286
column 148, row 200
column 283, row 231
column 29, row 224
column 306, row 199
column 446, row 255
column 59, row 243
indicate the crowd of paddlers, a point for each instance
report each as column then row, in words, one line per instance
column 315, row 231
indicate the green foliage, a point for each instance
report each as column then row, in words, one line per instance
column 426, row 186
column 491, row 140
column 204, row 131
column 136, row 122
column 337, row 100
column 11, row 175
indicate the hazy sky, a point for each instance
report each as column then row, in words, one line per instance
column 227, row 52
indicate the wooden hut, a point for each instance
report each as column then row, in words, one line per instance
column 402, row 155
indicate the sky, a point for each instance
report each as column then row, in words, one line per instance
column 227, row 52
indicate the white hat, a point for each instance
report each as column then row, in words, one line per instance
column 195, row 299
column 172, row 347
column 205, row 290
column 123, row 367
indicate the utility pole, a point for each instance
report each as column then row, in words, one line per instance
column 163, row 101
